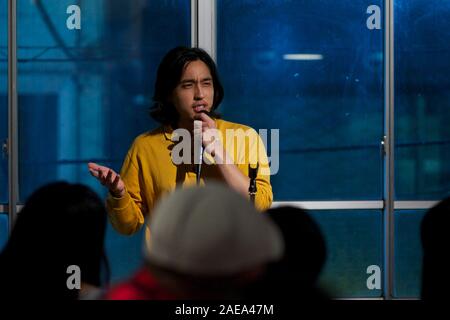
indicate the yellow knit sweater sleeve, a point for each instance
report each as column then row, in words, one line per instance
column 127, row 214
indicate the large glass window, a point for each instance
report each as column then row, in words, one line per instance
column 314, row 70
column 422, row 103
column 422, row 133
column 124, row 253
column 85, row 85
column 84, row 93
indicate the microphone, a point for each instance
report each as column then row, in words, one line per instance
column 198, row 148
column 252, row 174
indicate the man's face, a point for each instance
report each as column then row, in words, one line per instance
column 194, row 92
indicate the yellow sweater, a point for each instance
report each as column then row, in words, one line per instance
column 148, row 173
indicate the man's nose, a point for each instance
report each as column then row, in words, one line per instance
column 198, row 94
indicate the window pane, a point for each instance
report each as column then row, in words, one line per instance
column 124, row 253
column 422, row 104
column 408, row 253
column 354, row 240
column 3, row 100
column 84, row 93
column 328, row 105
column 3, row 230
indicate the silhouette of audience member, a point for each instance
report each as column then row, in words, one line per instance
column 60, row 225
column 205, row 243
column 435, row 243
column 295, row 275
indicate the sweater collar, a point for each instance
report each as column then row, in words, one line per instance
column 168, row 131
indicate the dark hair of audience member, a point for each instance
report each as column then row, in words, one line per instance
column 435, row 243
column 60, row 225
column 296, row 274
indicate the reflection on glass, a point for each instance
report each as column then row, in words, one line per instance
column 314, row 70
column 408, row 253
column 354, row 240
column 84, row 93
column 422, row 101
column 124, row 253
column 3, row 230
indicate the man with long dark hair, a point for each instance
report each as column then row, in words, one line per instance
column 187, row 88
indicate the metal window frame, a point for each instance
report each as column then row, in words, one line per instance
column 414, row 205
column 323, row 205
column 194, row 23
column 13, row 159
column 389, row 176
column 4, row 208
column 358, row 205
column 332, row 205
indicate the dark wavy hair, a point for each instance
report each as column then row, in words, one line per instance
column 61, row 224
column 168, row 76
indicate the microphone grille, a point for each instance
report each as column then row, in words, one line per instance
column 198, row 144
column 197, row 128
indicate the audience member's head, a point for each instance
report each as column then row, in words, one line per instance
column 435, row 243
column 296, row 274
column 60, row 225
column 209, row 242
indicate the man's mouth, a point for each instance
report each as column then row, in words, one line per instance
column 200, row 108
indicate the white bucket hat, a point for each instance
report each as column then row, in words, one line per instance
column 210, row 231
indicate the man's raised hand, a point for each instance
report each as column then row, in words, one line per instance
column 108, row 178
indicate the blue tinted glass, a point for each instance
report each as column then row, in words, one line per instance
column 3, row 230
column 422, row 100
column 354, row 240
column 84, row 93
column 3, row 100
column 124, row 253
column 327, row 102
column 408, row 253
